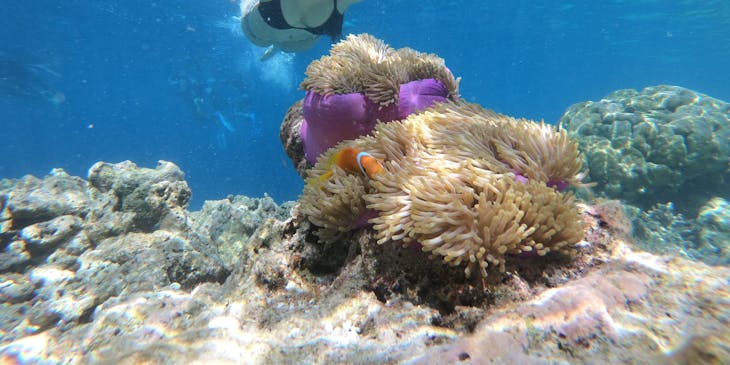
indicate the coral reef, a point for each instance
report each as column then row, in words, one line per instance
column 665, row 231
column 102, row 290
column 229, row 224
column 605, row 317
column 70, row 244
column 662, row 144
column 362, row 81
column 462, row 182
column 613, row 217
column 714, row 242
column 152, row 195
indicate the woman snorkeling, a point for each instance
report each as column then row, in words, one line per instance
column 291, row 25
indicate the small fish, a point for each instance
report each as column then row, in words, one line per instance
column 222, row 120
column 353, row 160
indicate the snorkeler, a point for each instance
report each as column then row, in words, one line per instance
column 291, row 25
column 20, row 78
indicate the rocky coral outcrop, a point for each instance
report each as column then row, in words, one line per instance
column 151, row 195
column 636, row 301
column 123, row 294
column 662, row 144
column 714, row 222
column 230, row 223
column 69, row 244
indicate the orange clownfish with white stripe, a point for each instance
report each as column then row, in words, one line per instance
column 353, row 160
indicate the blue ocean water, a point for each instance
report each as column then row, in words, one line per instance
column 84, row 81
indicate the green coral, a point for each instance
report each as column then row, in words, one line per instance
column 662, row 144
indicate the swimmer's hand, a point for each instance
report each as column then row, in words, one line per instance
column 270, row 52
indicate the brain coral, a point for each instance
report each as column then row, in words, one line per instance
column 467, row 184
column 662, row 144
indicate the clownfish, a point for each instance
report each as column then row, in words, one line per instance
column 353, row 160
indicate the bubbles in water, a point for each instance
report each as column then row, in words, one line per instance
column 232, row 24
column 277, row 70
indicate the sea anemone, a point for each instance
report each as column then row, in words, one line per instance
column 467, row 184
column 366, row 65
column 361, row 82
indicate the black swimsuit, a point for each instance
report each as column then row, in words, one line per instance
column 271, row 13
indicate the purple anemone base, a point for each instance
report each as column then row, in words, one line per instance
column 334, row 118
